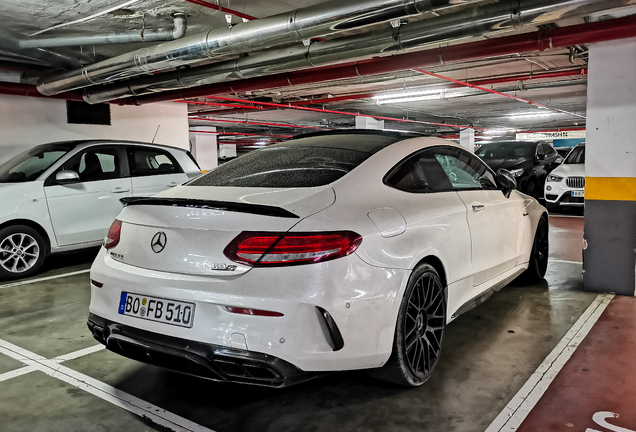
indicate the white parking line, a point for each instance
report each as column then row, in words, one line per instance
column 564, row 261
column 102, row 390
column 511, row 417
column 16, row 373
column 78, row 353
column 30, row 281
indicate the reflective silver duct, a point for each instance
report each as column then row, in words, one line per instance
column 508, row 15
column 10, row 42
column 302, row 24
column 145, row 35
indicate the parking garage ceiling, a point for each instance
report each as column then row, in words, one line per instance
column 554, row 78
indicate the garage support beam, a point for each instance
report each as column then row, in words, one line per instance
column 610, row 192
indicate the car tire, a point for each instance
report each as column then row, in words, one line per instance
column 419, row 332
column 22, row 252
column 538, row 264
column 532, row 189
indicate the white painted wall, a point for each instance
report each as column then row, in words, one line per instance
column 28, row 121
column 204, row 148
column 611, row 110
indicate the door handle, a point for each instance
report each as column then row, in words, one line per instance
column 173, row 184
column 120, row 190
column 477, row 207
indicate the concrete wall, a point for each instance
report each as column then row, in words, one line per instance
column 28, row 121
column 610, row 165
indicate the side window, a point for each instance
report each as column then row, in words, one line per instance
column 550, row 152
column 93, row 164
column 419, row 174
column 149, row 161
column 464, row 170
column 541, row 150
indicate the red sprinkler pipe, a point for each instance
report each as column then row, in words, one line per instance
column 321, row 110
column 242, row 134
column 465, row 84
column 599, row 31
column 31, row 90
column 486, row 81
column 222, row 9
column 257, row 123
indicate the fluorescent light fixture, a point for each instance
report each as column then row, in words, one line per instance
column 529, row 116
column 397, row 98
column 502, row 131
column 406, row 94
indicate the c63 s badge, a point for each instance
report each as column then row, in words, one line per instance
column 218, row 266
column 116, row 256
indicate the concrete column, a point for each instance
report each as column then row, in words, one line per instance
column 204, row 148
column 467, row 139
column 369, row 123
column 610, row 193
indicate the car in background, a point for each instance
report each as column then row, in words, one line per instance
column 529, row 162
column 63, row 196
column 328, row 252
column 565, row 185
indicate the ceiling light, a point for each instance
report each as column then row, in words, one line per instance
column 404, row 97
column 502, row 131
column 406, row 94
column 529, row 116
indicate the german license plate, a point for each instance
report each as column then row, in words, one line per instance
column 578, row 194
column 157, row 309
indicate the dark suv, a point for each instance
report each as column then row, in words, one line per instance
column 528, row 162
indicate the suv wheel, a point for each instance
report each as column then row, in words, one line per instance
column 22, row 252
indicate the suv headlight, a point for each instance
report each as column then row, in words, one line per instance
column 554, row 178
column 517, row 172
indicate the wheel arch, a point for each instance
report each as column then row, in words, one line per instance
column 31, row 224
column 437, row 264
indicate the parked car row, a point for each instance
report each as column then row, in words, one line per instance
column 64, row 196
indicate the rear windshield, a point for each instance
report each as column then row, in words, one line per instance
column 284, row 167
column 505, row 151
column 306, row 162
column 576, row 156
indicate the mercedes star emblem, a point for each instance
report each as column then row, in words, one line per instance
column 158, row 242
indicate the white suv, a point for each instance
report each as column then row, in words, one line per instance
column 565, row 186
column 63, row 196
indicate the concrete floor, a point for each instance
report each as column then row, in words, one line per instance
column 488, row 355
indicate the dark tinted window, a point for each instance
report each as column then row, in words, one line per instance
column 29, row 165
column 506, row 150
column 148, row 161
column 464, row 170
column 419, row 173
column 99, row 163
column 284, row 166
column 576, row 156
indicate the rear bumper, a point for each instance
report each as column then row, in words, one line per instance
column 203, row 360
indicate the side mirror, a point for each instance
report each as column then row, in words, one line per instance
column 559, row 160
column 505, row 181
column 66, row 177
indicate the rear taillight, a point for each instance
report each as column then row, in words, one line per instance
column 268, row 249
column 112, row 238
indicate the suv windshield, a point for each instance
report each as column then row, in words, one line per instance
column 506, row 151
column 576, row 156
column 29, row 165
column 306, row 162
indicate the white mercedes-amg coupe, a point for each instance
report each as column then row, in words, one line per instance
column 329, row 252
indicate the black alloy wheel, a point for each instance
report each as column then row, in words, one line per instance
column 419, row 333
column 531, row 188
column 540, row 250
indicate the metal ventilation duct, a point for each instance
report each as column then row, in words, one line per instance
column 145, row 35
column 302, row 24
column 508, row 15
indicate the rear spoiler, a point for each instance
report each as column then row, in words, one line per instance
column 211, row 205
